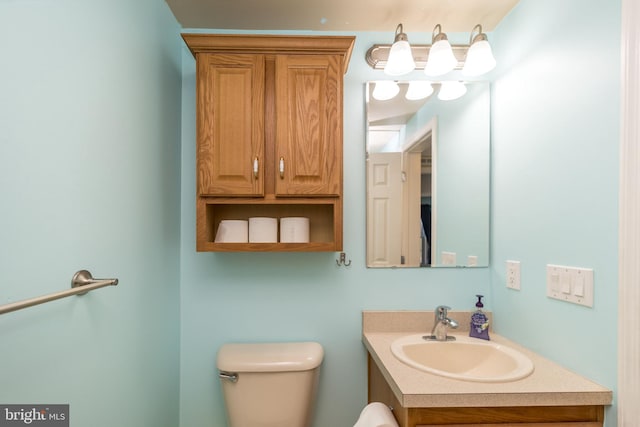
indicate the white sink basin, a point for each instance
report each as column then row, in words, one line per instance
column 466, row 358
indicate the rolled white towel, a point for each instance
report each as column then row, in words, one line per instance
column 376, row 414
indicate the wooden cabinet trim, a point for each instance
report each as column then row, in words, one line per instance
column 276, row 44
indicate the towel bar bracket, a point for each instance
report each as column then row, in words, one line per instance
column 83, row 278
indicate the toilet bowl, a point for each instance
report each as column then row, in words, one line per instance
column 269, row 384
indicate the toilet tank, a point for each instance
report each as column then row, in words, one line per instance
column 269, row 384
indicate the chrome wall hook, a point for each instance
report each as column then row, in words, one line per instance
column 342, row 260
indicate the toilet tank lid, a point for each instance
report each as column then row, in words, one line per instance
column 270, row 357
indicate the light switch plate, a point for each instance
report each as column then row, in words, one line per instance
column 448, row 258
column 570, row 284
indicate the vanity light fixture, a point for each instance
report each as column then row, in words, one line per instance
column 441, row 59
column 418, row 89
column 400, row 59
column 385, row 90
column 480, row 58
column 436, row 59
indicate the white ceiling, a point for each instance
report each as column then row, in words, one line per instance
column 341, row 15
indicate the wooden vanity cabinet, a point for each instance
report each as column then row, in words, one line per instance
column 269, row 134
column 509, row 416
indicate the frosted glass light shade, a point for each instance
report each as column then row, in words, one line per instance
column 479, row 60
column 419, row 89
column 451, row 90
column 441, row 59
column 385, row 90
column 400, row 59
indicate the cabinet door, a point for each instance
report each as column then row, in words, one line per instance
column 308, row 125
column 230, row 124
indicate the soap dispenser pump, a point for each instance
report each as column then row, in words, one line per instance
column 479, row 327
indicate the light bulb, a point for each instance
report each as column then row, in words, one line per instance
column 451, row 90
column 419, row 89
column 479, row 60
column 385, row 90
column 400, row 59
column 441, row 59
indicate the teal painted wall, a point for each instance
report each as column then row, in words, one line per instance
column 90, row 178
column 92, row 109
column 555, row 136
column 285, row 297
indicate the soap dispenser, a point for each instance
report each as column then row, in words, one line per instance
column 479, row 322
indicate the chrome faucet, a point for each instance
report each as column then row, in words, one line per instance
column 440, row 324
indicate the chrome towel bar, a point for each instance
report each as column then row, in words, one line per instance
column 81, row 283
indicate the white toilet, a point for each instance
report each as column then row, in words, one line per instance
column 270, row 384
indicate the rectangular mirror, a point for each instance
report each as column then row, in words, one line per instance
column 428, row 178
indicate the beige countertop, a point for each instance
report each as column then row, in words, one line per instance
column 548, row 385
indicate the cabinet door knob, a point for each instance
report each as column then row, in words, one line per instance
column 255, row 168
column 282, row 167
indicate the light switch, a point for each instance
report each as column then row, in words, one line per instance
column 566, row 282
column 578, row 289
column 570, row 284
column 555, row 281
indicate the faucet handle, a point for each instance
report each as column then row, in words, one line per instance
column 441, row 311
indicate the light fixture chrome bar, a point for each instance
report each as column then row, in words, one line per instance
column 378, row 54
column 81, row 283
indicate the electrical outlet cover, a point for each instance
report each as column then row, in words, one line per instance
column 513, row 275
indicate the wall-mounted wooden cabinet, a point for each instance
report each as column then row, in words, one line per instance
column 269, row 134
